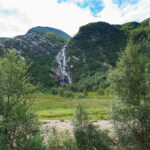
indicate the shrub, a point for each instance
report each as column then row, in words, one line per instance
column 87, row 135
column 54, row 141
column 61, row 91
column 85, row 93
column 68, row 141
column 34, row 143
column 95, row 88
column 80, row 96
column 71, row 87
column 60, row 140
column 107, row 91
column 68, row 94
column 100, row 91
column 54, row 91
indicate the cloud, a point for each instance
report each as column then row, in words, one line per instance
column 94, row 6
column 124, row 3
column 17, row 16
column 7, row 11
column 65, row 16
column 114, row 14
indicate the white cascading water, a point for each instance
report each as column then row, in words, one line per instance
column 63, row 67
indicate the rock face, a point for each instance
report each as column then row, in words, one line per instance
column 31, row 43
column 40, row 50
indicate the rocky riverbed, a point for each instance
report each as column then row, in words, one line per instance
column 67, row 124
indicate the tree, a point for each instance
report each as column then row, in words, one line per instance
column 17, row 122
column 130, row 80
column 87, row 135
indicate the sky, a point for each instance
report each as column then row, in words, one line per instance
column 18, row 16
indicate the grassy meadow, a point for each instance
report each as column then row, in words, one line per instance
column 54, row 107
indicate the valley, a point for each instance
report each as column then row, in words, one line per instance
column 87, row 92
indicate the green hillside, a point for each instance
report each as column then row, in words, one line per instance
column 96, row 46
column 39, row 50
column 44, row 30
column 90, row 52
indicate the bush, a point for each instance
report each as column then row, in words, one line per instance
column 54, row 141
column 34, row 143
column 68, row 141
column 54, row 91
column 71, row 87
column 87, row 135
column 68, row 94
column 69, row 144
column 85, row 93
column 107, row 91
column 80, row 96
column 95, row 88
column 60, row 140
column 61, row 91
column 100, row 91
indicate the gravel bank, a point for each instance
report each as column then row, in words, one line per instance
column 67, row 124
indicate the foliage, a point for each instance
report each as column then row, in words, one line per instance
column 88, row 83
column 34, row 143
column 41, row 68
column 96, row 46
column 139, row 34
column 95, row 88
column 85, row 93
column 81, row 97
column 130, row 26
column 54, row 141
column 54, row 91
column 17, row 121
column 145, row 23
column 68, row 94
column 59, row 140
column 87, row 135
column 60, row 91
column 100, row 91
column 130, row 80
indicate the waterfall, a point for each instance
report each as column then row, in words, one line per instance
column 63, row 67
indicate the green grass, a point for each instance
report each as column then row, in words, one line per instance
column 54, row 107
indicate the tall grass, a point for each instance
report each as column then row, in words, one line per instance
column 55, row 107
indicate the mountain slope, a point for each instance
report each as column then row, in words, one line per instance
column 145, row 23
column 96, row 46
column 40, row 29
column 39, row 50
column 89, row 54
column 3, row 39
